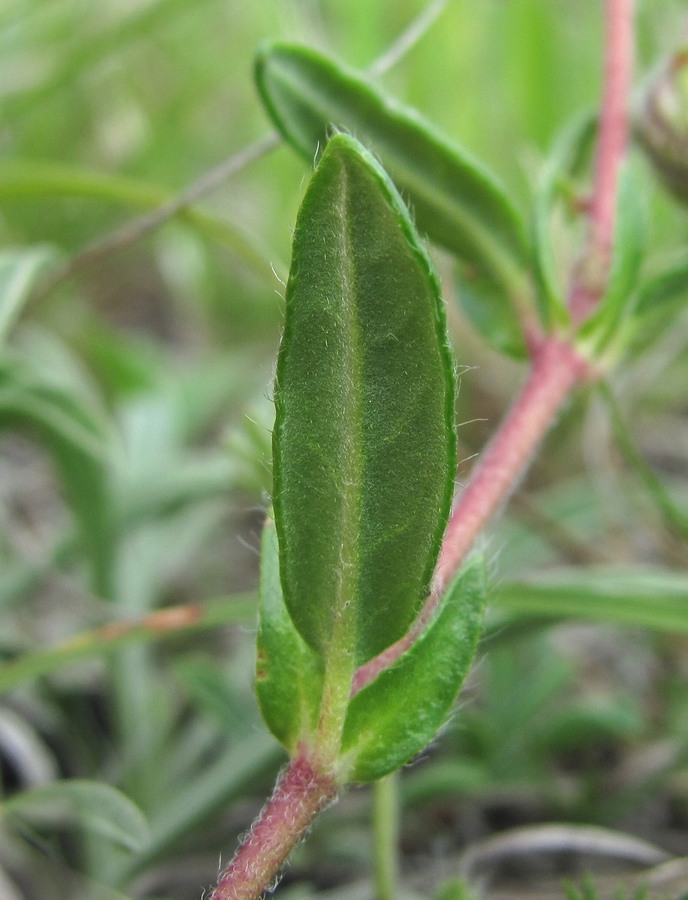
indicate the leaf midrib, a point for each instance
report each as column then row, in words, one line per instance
column 344, row 634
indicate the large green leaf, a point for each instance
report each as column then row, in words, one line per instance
column 392, row 719
column 456, row 201
column 288, row 673
column 364, row 442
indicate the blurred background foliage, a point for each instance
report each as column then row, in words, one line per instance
column 135, row 459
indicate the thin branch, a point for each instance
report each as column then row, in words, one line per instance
column 162, row 623
column 141, row 226
column 592, row 271
column 408, row 38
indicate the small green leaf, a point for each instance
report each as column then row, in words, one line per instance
column 288, row 674
column 456, row 201
column 658, row 302
column 627, row 254
column 482, row 300
column 18, row 271
column 94, row 806
column 392, row 719
column 570, row 151
column 364, row 441
column 667, row 292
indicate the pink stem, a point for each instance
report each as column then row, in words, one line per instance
column 556, row 369
column 592, row 272
column 300, row 794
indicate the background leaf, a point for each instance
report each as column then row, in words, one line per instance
column 75, row 441
column 482, row 300
column 92, row 805
column 659, row 303
column 18, row 271
column 642, row 597
column 565, row 163
column 455, row 200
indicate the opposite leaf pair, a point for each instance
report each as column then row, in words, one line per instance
column 364, row 462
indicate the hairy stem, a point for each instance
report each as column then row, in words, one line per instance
column 592, row 271
column 556, row 369
column 300, row 794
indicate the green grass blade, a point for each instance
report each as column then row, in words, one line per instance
column 94, row 806
column 644, row 597
column 29, row 179
column 18, row 271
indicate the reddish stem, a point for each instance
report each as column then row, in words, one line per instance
column 300, row 794
column 556, row 369
column 592, row 271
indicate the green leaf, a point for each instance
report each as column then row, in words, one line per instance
column 627, row 254
column 664, row 291
column 364, row 441
column 32, row 179
column 392, row 719
column 482, row 300
column 288, row 674
column 18, row 271
column 570, row 151
column 94, row 806
column 674, row 514
column 645, row 598
column 456, row 201
column 77, row 447
column 658, row 302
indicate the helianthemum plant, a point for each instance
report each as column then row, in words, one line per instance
column 364, row 459
column 370, row 603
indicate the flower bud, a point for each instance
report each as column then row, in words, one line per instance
column 662, row 123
